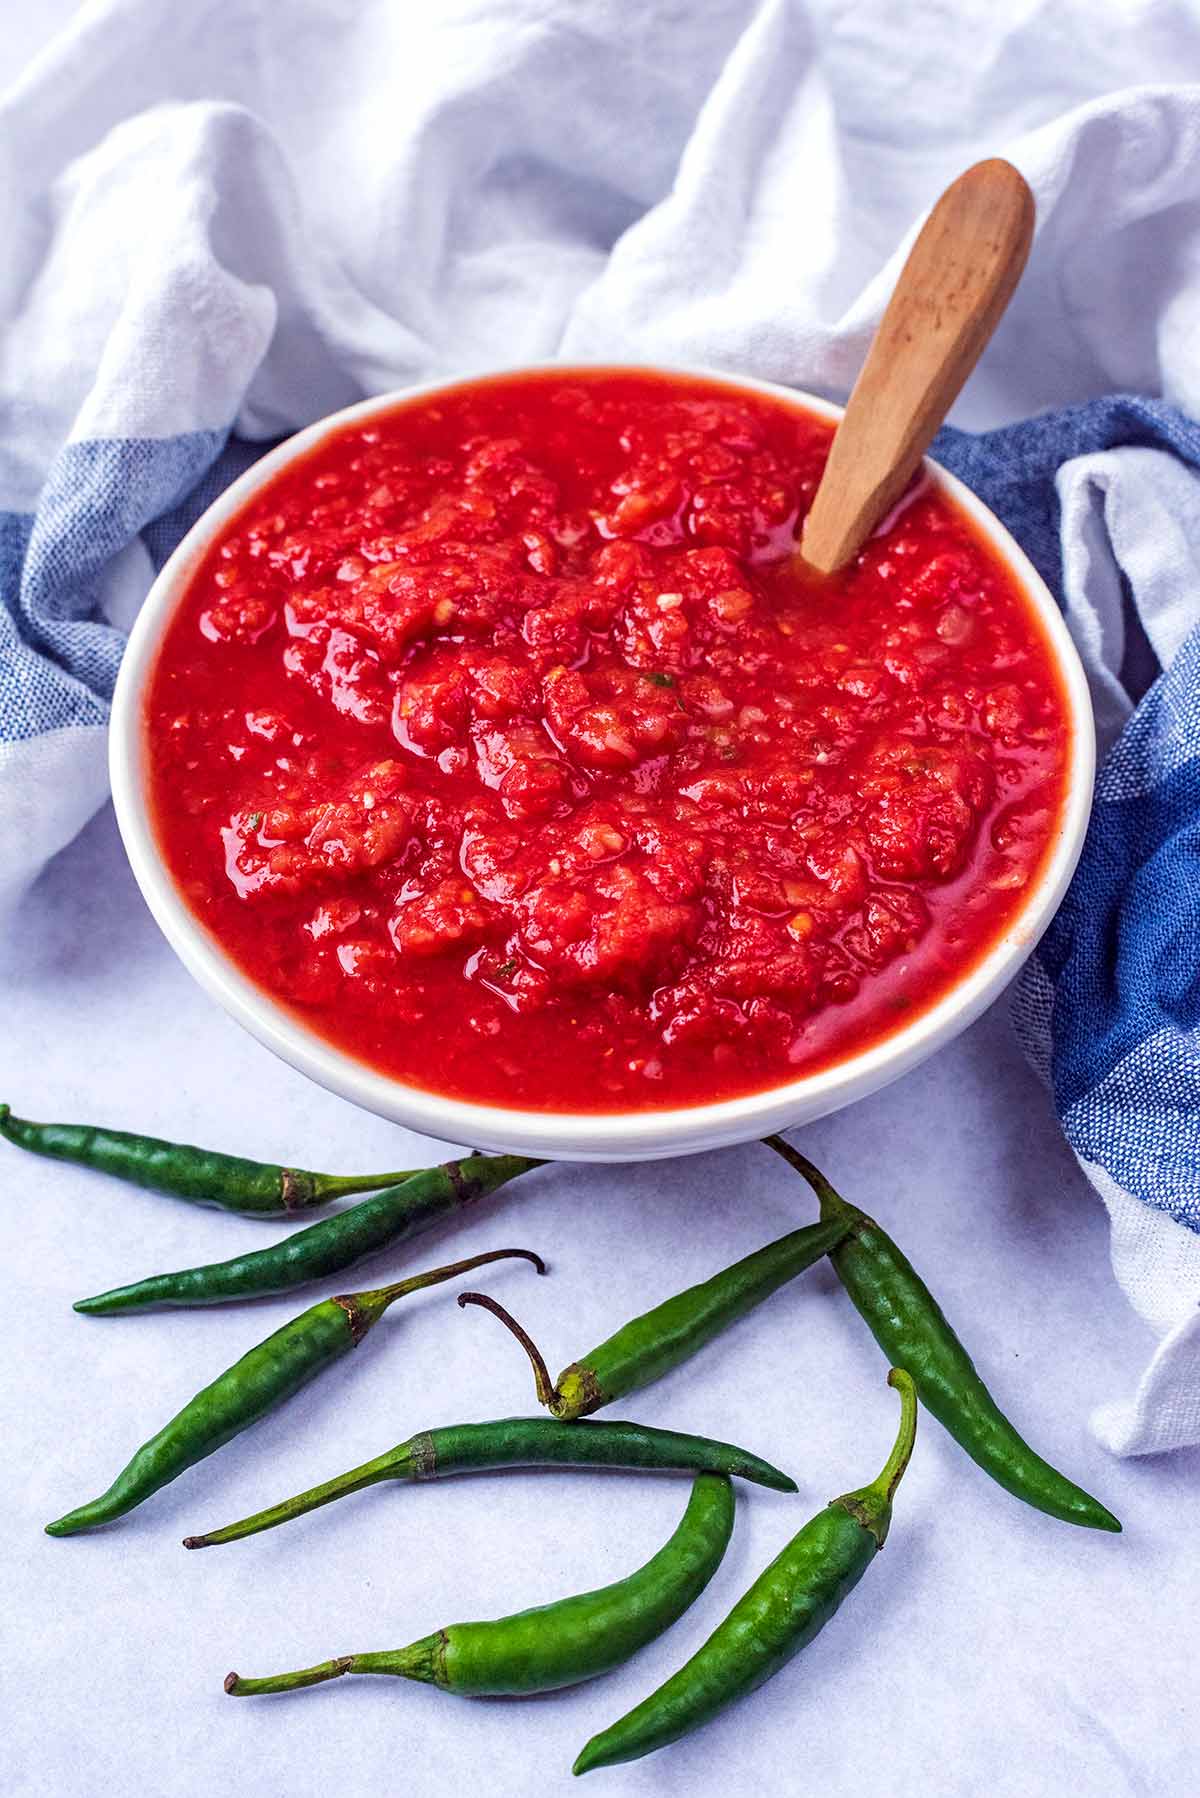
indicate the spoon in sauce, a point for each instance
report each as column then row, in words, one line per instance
column 958, row 279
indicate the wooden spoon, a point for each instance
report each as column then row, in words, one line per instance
column 958, row 279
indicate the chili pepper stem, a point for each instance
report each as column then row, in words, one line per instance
column 366, row 1307
column 831, row 1201
column 413, row 1282
column 237, row 1687
column 395, row 1464
column 345, row 1186
column 418, row 1661
column 544, row 1385
column 894, row 1467
column 872, row 1505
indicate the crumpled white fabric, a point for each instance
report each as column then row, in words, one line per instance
column 233, row 214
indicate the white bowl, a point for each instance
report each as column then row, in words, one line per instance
column 618, row 1136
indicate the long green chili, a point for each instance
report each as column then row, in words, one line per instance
column 515, row 1442
column 206, row 1177
column 789, row 1603
column 651, row 1345
column 910, row 1327
column 552, row 1645
column 325, row 1248
column 265, row 1376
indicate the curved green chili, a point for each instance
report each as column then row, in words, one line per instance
column 789, row 1603
column 256, row 1188
column 908, row 1324
column 651, row 1345
column 324, row 1248
column 516, row 1442
column 552, row 1645
column 265, row 1376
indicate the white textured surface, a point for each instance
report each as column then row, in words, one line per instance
column 990, row 1651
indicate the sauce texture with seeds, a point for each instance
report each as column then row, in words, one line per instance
column 503, row 739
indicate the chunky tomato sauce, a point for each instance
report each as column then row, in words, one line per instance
column 503, row 738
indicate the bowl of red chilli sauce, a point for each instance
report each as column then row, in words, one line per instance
column 489, row 754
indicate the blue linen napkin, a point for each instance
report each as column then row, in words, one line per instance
column 1110, row 1003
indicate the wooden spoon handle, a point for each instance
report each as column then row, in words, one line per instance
column 958, row 279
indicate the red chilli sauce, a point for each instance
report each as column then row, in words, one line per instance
column 503, row 740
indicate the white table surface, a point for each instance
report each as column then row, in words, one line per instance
column 989, row 1651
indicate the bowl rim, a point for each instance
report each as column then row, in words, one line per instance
column 623, row 1135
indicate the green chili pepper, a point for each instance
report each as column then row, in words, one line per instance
column 649, row 1346
column 558, row 1644
column 257, row 1188
column 516, row 1442
column 908, row 1324
column 324, row 1248
column 789, row 1603
column 257, row 1384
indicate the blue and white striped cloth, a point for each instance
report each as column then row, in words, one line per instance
column 204, row 250
column 1109, row 1009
